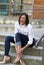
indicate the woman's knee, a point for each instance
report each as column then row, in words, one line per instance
column 17, row 35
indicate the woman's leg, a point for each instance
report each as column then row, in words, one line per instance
column 8, row 39
column 18, row 56
column 17, row 47
column 21, row 40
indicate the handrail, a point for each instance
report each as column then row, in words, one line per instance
column 21, row 4
column 31, row 9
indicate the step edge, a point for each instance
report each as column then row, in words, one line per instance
column 24, row 56
column 39, row 47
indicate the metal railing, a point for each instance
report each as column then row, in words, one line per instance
column 34, row 11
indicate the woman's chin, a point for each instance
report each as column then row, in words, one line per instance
column 22, row 24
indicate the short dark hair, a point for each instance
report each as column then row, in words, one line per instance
column 27, row 18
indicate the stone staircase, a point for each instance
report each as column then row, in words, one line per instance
column 31, row 56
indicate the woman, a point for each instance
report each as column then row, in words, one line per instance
column 23, row 38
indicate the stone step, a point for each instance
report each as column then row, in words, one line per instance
column 9, row 64
column 38, row 47
column 6, row 30
column 32, row 56
column 29, row 51
column 27, row 61
column 2, row 39
column 24, row 56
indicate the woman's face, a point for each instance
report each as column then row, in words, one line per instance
column 22, row 19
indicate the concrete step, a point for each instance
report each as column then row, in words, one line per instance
column 5, row 30
column 31, row 56
column 38, row 47
column 24, row 56
column 27, row 61
column 28, row 51
column 2, row 39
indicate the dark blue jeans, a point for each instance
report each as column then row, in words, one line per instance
column 8, row 39
column 19, row 37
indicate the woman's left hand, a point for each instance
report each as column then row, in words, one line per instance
column 20, row 51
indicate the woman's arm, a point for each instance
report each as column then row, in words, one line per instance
column 23, row 48
column 30, row 36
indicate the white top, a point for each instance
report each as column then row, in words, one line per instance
column 26, row 30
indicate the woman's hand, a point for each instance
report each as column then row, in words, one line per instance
column 20, row 51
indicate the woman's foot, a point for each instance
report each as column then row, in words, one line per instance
column 5, row 60
column 17, row 59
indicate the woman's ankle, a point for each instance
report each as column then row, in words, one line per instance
column 6, row 57
column 18, row 57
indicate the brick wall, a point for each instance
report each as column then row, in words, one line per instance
column 38, row 9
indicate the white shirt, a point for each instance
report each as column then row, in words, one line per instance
column 26, row 30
